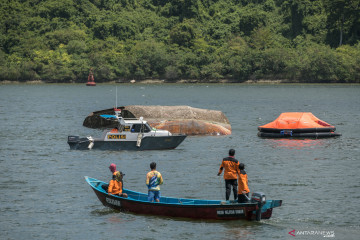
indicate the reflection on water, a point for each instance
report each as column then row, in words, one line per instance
column 295, row 143
column 121, row 218
column 239, row 233
column 43, row 193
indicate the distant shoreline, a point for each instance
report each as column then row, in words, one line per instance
column 158, row 81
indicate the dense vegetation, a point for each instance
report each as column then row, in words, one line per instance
column 295, row 40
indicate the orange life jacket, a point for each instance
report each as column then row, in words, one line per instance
column 115, row 187
column 243, row 182
column 114, row 130
column 231, row 166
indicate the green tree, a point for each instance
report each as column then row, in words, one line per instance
column 343, row 17
column 148, row 59
column 297, row 40
column 183, row 34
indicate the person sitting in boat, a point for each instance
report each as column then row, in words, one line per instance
column 153, row 182
column 112, row 169
column 116, row 185
column 243, row 188
column 115, row 130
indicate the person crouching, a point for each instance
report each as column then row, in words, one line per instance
column 243, row 188
column 116, row 186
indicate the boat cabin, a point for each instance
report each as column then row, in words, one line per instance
column 131, row 130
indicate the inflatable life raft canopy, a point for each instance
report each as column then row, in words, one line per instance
column 297, row 125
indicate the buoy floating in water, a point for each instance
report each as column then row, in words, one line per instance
column 297, row 125
column 91, row 80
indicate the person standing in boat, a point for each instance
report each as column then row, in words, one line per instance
column 243, row 189
column 115, row 130
column 153, row 182
column 230, row 165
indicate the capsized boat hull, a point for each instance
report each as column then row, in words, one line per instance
column 183, row 208
column 147, row 143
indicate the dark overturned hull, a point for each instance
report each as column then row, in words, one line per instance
column 290, row 134
column 147, row 143
column 297, row 130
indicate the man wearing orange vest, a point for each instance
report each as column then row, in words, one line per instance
column 116, row 185
column 243, row 190
column 231, row 168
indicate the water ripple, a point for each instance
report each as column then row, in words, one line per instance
column 44, row 195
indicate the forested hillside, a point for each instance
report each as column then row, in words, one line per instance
column 208, row 40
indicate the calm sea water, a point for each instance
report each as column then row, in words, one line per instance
column 43, row 194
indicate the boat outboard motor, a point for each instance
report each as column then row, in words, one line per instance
column 73, row 141
column 91, row 142
column 260, row 199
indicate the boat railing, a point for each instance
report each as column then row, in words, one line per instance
column 94, row 181
column 186, row 201
column 137, row 196
column 131, row 118
column 169, row 200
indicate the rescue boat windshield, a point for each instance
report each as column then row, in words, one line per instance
column 140, row 128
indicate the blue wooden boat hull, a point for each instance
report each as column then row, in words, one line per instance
column 183, row 207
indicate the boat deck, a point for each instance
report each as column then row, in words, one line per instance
column 169, row 200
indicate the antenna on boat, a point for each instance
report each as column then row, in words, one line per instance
column 116, row 97
column 116, row 110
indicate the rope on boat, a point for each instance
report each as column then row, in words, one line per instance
column 91, row 142
column 221, row 187
column 141, row 134
column 139, row 138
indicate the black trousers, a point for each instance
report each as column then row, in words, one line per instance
column 242, row 198
column 105, row 187
column 228, row 184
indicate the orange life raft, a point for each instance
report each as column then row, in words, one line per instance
column 297, row 124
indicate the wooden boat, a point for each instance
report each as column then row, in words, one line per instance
column 130, row 134
column 297, row 125
column 259, row 208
